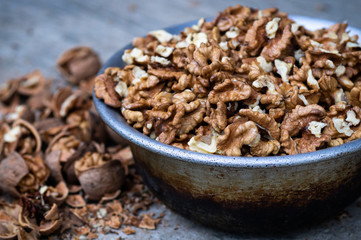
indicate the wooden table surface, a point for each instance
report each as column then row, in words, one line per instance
column 34, row 33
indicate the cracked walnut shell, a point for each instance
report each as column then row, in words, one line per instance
column 79, row 63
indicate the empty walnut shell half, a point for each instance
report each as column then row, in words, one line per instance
column 58, row 194
column 32, row 83
column 49, row 128
column 98, row 181
column 78, row 64
column 37, row 176
column 20, row 112
column 12, row 170
column 8, row 90
column 32, row 130
column 65, row 100
column 8, row 230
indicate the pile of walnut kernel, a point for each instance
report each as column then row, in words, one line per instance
column 70, row 177
column 248, row 83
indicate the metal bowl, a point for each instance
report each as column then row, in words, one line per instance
column 244, row 194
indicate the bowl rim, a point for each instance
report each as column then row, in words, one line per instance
column 115, row 121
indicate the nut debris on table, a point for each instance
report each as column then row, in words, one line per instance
column 67, row 174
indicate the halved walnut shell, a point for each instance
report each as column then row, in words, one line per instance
column 34, row 134
column 48, row 128
column 32, row 83
column 78, row 63
column 8, row 90
column 65, row 100
column 20, row 112
column 37, row 175
column 58, row 194
column 8, row 230
column 100, row 180
column 12, row 170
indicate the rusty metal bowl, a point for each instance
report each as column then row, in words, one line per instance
column 244, row 194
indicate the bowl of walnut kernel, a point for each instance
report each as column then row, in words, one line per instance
column 249, row 121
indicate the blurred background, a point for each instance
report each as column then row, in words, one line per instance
column 34, row 33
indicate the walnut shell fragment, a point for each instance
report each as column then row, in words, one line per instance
column 78, row 63
column 20, row 112
column 52, row 221
column 48, row 128
column 52, row 161
column 8, row 230
column 148, row 222
column 75, row 201
column 125, row 156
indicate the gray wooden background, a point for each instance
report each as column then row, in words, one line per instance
column 34, row 33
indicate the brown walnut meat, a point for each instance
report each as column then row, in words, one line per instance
column 298, row 119
column 57, row 194
column 201, row 56
column 230, row 90
column 245, row 66
column 65, row 143
column 263, row 120
column 310, row 143
column 236, row 135
column 104, row 89
column 264, row 149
